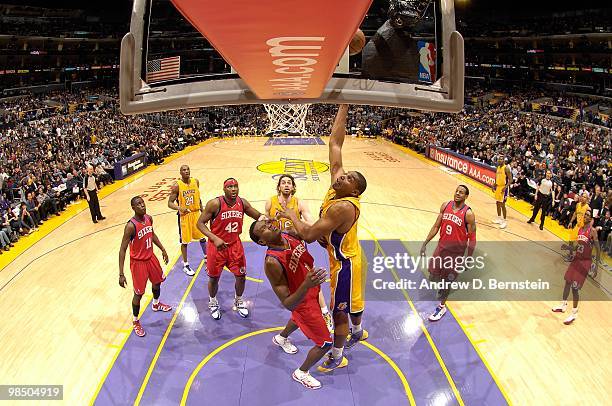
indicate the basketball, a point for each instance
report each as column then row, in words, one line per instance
column 357, row 43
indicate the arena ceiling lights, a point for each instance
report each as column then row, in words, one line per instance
column 284, row 52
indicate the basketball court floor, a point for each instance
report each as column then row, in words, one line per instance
column 68, row 322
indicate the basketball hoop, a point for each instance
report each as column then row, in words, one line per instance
column 287, row 118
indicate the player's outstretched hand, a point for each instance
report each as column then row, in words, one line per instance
column 219, row 244
column 122, row 281
column 315, row 277
column 165, row 257
column 423, row 250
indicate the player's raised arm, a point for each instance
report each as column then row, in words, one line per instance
column 212, row 207
column 251, row 211
column 336, row 140
column 277, row 279
column 128, row 232
column 340, row 213
column 434, row 230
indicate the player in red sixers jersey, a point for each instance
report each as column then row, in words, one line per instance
column 225, row 214
column 581, row 264
column 289, row 268
column 457, row 225
column 139, row 235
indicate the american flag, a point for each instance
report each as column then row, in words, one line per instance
column 163, row 69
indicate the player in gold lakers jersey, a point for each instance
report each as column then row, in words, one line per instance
column 283, row 200
column 503, row 180
column 185, row 199
column 581, row 208
column 337, row 226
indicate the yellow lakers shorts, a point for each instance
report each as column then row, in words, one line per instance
column 501, row 194
column 188, row 229
column 347, row 285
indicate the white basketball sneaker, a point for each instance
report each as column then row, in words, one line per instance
column 285, row 344
column 215, row 311
column 188, row 271
column 306, row 379
column 438, row 313
column 570, row 319
column 560, row 308
column 241, row 308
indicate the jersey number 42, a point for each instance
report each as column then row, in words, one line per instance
column 232, row 227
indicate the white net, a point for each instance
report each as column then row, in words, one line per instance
column 287, row 118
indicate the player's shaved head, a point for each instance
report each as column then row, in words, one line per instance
column 362, row 183
column 134, row 201
column 253, row 234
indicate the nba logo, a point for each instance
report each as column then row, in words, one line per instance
column 342, row 306
column 427, row 61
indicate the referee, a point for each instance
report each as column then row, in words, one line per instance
column 544, row 198
column 90, row 186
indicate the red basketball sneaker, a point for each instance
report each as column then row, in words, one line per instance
column 138, row 329
column 161, row 307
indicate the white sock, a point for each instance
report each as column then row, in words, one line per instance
column 564, row 303
column 337, row 352
column 237, row 297
column 155, row 301
column 356, row 328
column 212, row 299
column 442, row 305
column 280, row 338
column 324, row 310
column 575, row 311
column 135, row 318
column 185, row 263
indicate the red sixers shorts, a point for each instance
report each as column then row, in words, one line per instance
column 577, row 272
column 232, row 257
column 441, row 264
column 309, row 319
column 142, row 270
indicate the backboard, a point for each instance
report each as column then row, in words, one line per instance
column 194, row 53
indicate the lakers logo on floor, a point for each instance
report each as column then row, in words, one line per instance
column 301, row 169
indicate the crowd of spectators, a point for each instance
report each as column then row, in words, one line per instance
column 579, row 155
column 43, row 161
column 584, row 21
column 59, row 22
